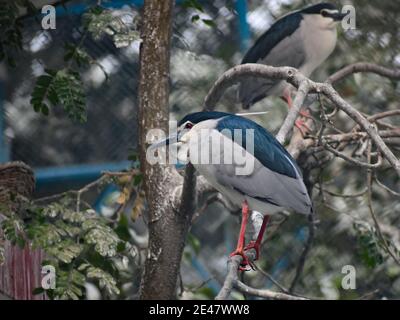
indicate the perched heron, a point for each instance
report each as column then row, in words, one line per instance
column 302, row 39
column 226, row 144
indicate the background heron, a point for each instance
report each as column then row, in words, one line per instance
column 302, row 39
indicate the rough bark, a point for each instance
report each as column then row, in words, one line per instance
column 169, row 220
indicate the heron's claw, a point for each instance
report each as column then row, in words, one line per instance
column 303, row 127
column 253, row 245
column 245, row 261
column 305, row 113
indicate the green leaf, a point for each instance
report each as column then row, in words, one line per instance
column 122, row 229
column 41, row 90
column 209, row 22
column 65, row 250
column 83, row 266
column 137, row 179
column 104, row 22
column 77, row 54
column 37, row 291
column 63, row 87
column 45, row 109
column 371, row 251
column 193, row 4
column 70, row 94
column 194, row 243
column 121, row 247
column 21, row 242
column 104, row 239
column 195, row 18
column 14, row 229
column 105, row 279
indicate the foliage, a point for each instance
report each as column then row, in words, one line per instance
column 194, row 4
column 122, row 27
column 63, row 87
column 81, row 245
column 371, row 250
column 11, row 28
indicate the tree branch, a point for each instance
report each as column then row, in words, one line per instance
column 167, row 230
column 232, row 280
column 363, row 67
column 291, row 117
column 294, row 77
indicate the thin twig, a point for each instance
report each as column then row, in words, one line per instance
column 363, row 67
column 73, row 192
column 372, row 212
column 306, row 250
column 341, row 195
column 382, row 185
column 232, row 282
column 270, row 278
column 265, row 293
column 350, row 159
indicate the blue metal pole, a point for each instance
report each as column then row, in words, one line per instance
column 76, row 173
column 205, row 275
column 244, row 30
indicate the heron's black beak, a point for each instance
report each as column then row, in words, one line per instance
column 337, row 16
column 173, row 138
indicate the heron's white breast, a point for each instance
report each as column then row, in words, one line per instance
column 319, row 35
column 244, row 163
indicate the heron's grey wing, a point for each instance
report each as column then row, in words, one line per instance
column 287, row 51
column 267, row 185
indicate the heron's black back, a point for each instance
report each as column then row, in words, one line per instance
column 267, row 149
column 281, row 29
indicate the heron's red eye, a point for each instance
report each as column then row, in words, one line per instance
column 188, row 125
column 324, row 13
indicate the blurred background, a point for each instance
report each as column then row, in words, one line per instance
column 65, row 154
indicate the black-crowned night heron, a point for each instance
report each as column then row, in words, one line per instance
column 302, row 39
column 245, row 163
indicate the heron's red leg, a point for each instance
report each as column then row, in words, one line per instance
column 256, row 244
column 240, row 245
column 287, row 98
column 300, row 124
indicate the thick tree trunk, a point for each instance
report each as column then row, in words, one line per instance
column 168, row 220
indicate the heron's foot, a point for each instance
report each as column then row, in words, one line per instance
column 305, row 113
column 253, row 245
column 302, row 126
column 245, row 265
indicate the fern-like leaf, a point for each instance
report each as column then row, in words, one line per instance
column 63, row 87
